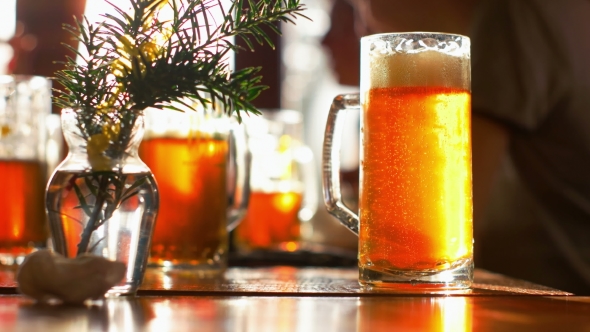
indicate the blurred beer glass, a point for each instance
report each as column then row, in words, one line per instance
column 282, row 181
column 25, row 145
column 415, row 203
column 189, row 155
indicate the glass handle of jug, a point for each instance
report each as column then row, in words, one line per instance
column 331, row 161
column 240, row 160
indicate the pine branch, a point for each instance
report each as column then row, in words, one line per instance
column 135, row 61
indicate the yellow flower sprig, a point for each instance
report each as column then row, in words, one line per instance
column 98, row 143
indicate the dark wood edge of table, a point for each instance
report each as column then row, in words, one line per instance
column 162, row 292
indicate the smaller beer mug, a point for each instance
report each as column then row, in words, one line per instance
column 282, row 182
column 415, row 197
column 190, row 155
column 25, row 107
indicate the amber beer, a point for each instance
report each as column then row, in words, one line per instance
column 22, row 209
column 415, row 200
column 192, row 219
column 271, row 221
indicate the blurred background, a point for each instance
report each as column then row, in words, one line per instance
column 317, row 59
column 313, row 61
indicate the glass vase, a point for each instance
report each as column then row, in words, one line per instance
column 102, row 199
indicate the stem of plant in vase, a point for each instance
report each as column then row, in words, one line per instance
column 93, row 222
column 107, row 146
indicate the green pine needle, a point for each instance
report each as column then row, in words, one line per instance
column 132, row 61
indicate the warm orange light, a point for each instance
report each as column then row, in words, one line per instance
column 212, row 147
column 439, row 314
column 22, row 212
column 271, row 221
column 291, row 246
column 285, row 202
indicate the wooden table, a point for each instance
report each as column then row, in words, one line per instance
column 301, row 299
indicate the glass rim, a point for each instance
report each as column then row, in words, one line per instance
column 420, row 34
column 386, row 44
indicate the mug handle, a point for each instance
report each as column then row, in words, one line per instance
column 331, row 161
column 240, row 160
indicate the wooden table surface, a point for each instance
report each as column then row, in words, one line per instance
column 301, row 299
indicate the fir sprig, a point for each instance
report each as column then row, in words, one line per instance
column 134, row 60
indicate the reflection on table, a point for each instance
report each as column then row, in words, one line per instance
column 258, row 313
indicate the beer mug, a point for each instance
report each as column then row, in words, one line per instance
column 283, row 183
column 189, row 155
column 415, row 201
column 25, row 111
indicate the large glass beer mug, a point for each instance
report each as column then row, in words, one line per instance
column 415, row 205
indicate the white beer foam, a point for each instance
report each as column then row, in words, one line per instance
column 425, row 68
column 170, row 124
column 415, row 59
column 176, row 124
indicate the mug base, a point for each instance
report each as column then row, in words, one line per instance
column 456, row 279
column 198, row 267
